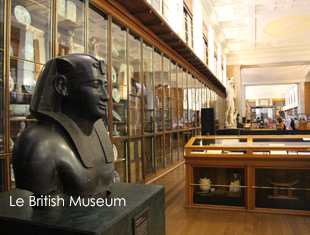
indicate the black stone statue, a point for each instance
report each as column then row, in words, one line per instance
column 68, row 151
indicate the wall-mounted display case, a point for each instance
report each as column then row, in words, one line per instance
column 254, row 173
column 154, row 100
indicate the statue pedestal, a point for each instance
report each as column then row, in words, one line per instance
column 235, row 131
column 230, row 127
column 149, row 200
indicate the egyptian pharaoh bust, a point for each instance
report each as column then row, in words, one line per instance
column 68, row 151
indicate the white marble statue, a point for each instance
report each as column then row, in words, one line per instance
column 231, row 112
column 248, row 111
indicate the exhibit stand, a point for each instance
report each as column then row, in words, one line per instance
column 249, row 173
column 141, row 212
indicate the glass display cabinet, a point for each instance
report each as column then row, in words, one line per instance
column 120, row 150
column 154, row 101
column 159, row 90
column 174, row 96
column 181, row 145
column 254, row 173
column 2, row 117
column 3, row 174
column 180, row 97
column 148, row 85
column 135, row 85
column 168, row 150
column 149, row 156
column 159, row 152
column 166, row 90
column 185, row 100
column 98, row 33
column 70, row 27
column 174, row 147
column 267, row 114
column 120, row 80
column 135, row 163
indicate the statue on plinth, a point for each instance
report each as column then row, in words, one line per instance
column 248, row 112
column 231, row 112
column 68, row 151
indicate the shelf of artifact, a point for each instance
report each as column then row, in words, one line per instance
column 119, row 122
column 227, row 193
column 22, row 119
column 119, row 160
column 118, row 84
column 138, row 159
column 139, row 96
column 117, row 58
column 118, row 104
column 21, row 93
column 135, row 108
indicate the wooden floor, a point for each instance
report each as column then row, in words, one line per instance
column 215, row 222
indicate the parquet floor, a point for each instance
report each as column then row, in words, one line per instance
column 215, row 222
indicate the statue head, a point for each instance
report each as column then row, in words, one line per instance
column 77, row 158
column 71, row 84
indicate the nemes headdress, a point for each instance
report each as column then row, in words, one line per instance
column 46, row 102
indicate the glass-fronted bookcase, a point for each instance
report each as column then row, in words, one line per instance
column 154, row 100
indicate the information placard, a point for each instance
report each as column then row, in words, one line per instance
column 141, row 222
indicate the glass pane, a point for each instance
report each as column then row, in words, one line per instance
column 2, row 117
column 98, row 33
column 204, row 96
column 180, row 123
column 120, row 149
column 198, row 102
column 208, row 97
column 174, row 88
column 30, row 30
column 185, row 98
column 181, row 145
column 166, row 92
column 135, row 87
column 158, row 91
column 12, row 181
column 2, row 175
column 174, row 114
column 282, row 189
column 1, row 24
column 191, row 100
column 174, row 147
column 23, row 77
column 168, row 149
column 149, row 156
column 119, row 79
column 70, row 30
column 148, row 85
column 159, row 152
column 136, row 161
column 225, row 184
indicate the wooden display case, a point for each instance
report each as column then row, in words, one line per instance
column 250, row 173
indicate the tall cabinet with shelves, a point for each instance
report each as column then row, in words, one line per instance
column 152, row 107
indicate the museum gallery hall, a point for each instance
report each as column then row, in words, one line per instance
column 209, row 99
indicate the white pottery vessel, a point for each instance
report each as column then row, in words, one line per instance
column 205, row 184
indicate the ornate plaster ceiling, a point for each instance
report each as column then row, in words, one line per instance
column 270, row 37
column 268, row 91
column 263, row 24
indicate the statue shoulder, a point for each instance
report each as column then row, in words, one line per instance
column 35, row 157
column 39, row 140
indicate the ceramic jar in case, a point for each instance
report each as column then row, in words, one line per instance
column 205, row 184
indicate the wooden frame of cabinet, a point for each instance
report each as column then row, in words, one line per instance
column 252, row 161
